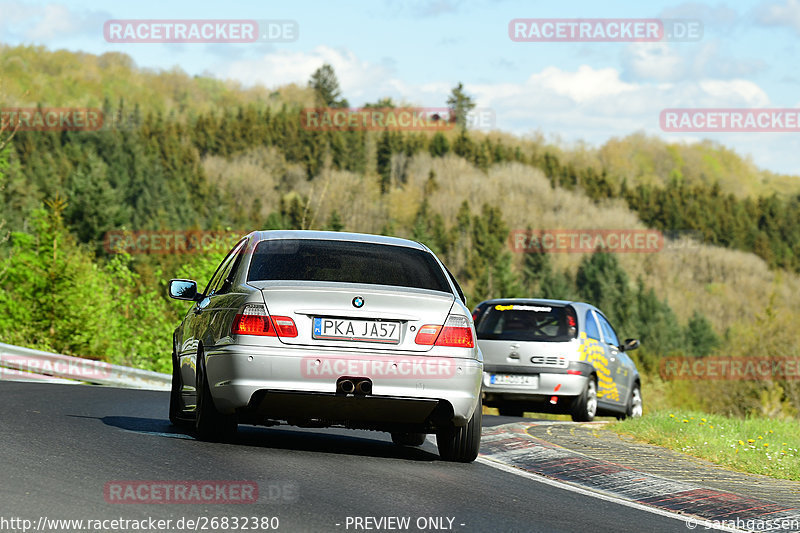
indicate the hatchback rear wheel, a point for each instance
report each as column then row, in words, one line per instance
column 584, row 406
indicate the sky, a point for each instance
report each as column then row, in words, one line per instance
column 416, row 51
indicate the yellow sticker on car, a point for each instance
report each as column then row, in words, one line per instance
column 591, row 351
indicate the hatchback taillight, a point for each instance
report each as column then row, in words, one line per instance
column 456, row 333
column 254, row 320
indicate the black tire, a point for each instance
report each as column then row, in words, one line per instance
column 511, row 410
column 408, row 439
column 175, row 402
column 177, row 409
column 461, row 444
column 210, row 424
column 633, row 408
column 584, row 406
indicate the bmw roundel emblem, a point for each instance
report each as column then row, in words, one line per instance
column 358, row 302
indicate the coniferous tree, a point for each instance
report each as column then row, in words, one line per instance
column 460, row 104
column 464, row 146
column 334, row 222
column 326, row 87
column 490, row 261
column 601, row 281
column 541, row 280
column 653, row 322
column 439, row 145
column 700, row 336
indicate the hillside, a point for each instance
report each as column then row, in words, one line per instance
column 735, row 285
column 34, row 75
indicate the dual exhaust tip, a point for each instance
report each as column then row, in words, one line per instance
column 361, row 386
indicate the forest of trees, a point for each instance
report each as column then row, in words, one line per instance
column 154, row 162
column 62, row 192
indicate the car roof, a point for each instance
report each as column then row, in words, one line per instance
column 336, row 236
column 541, row 301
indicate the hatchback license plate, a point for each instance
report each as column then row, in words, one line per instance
column 515, row 379
column 357, row 330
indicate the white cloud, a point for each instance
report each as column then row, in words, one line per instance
column 663, row 62
column 786, row 14
column 719, row 16
column 426, row 8
column 586, row 103
column 594, row 104
column 584, row 85
column 734, row 93
column 580, row 101
column 654, row 61
column 44, row 23
column 360, row 81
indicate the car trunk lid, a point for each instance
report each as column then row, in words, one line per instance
column 355, row 316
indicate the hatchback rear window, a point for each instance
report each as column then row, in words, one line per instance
column 346, row 262
column 528, row 322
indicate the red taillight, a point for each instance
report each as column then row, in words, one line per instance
column 252, row 325
column 285, row 326
column 574, row 372
column 254, row 320
column 572, row 323
column 456, row 333
column 457, row 337
column 427, row 334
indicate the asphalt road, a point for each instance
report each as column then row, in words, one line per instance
column 61, row 445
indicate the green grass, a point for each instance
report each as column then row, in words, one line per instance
column 754, row 445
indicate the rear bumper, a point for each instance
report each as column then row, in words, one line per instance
column 551, row 382
column 287, row 383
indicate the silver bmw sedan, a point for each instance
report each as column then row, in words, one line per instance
column 320, row 329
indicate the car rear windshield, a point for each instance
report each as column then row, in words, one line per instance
column 346, row 262
column 528, row 322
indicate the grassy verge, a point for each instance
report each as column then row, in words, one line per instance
column 754, row 445
column 545, row 416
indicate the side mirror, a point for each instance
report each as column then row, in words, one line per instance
column 630, row 344
column 183, row 289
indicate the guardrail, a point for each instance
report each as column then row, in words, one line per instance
column 17, row 363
